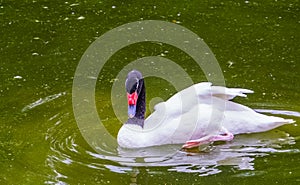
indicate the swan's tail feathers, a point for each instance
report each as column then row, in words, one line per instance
column 277, row 121
column 279, row 112
column 289, row 121
column 229, row 93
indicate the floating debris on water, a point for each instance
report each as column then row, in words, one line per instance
column 81, row 18
column 74, row 4
column 175, row 21
column 18, row 77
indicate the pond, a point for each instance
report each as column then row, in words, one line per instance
column 256, row 46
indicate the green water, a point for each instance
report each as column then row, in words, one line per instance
column 255, row 42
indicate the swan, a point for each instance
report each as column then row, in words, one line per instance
column 197, row 115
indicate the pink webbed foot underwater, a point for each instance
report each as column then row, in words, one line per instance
column 208, row 139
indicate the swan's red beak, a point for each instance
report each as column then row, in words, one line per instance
column 132, row 99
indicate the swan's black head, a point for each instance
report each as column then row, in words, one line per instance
column 135, row 89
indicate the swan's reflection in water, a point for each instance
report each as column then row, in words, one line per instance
column 240, row 153
column 69, row 154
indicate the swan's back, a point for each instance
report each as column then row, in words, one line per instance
column 199, row 111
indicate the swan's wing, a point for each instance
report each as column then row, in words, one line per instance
column 229, row 93
column 205, row 89
column 184, row 100
column 198, row 93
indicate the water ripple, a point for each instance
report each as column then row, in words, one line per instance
column 42, row 101
column 69, row 152
column 279, row 112
column 240, row 153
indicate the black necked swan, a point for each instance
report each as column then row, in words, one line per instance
column 199, row 114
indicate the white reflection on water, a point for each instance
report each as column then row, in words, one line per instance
column 280, row 112
column 240, row 153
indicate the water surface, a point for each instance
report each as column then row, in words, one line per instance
column 256, row 44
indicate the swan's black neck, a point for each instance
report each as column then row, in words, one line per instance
column 141, row 102
column 139, row 117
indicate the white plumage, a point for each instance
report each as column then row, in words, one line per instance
column 198, row 114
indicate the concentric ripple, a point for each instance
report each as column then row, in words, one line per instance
column 69, row 151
